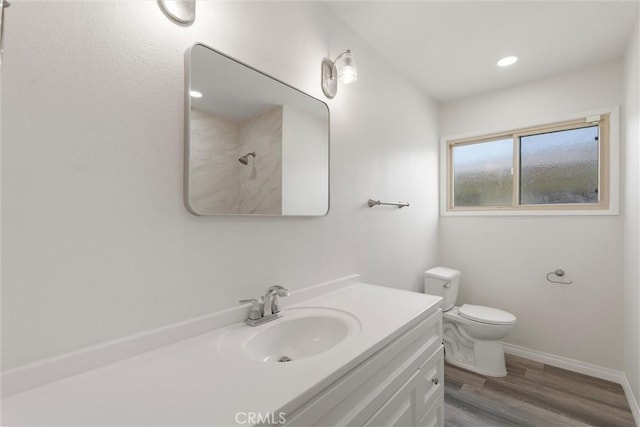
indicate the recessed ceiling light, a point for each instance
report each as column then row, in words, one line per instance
column 195, row 94
column 507, row 60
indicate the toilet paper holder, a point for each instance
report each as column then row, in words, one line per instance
column 560, row 273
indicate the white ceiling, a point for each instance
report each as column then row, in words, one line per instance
column 450, row 48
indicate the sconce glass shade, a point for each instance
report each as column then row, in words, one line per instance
column 181, row 11
column 343, row 69
column 347, row 70
column 507, row 60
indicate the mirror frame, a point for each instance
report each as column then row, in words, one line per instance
column 187, row 136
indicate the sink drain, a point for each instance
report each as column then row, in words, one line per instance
column 284, row 359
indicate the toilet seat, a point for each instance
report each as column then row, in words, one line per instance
column 482, row 314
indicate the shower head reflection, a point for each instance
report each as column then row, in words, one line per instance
column 245, row 159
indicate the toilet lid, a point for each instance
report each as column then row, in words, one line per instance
column 484, row 314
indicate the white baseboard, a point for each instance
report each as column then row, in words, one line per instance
column 580, row 367
column 633, row 403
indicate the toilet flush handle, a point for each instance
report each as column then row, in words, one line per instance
column 447, row 284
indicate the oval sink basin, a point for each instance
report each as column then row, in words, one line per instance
column 299, row 334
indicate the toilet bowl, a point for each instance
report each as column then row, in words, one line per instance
column 472, row 334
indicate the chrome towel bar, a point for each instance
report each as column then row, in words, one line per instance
column 373, row 203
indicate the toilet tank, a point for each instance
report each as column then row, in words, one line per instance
column 443, row 282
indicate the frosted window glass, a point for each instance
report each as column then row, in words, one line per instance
column 482, row 173
column 559, row 167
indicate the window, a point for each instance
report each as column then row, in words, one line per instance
column 563, row 166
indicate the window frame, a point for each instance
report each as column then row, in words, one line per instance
column 606, row 119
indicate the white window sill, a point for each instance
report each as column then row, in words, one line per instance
column 508, row 212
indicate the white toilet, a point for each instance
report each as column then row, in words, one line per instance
column 472, row 334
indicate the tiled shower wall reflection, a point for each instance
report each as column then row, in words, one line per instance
column 220, row 183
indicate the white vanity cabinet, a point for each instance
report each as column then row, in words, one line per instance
column 402, row 384
column 388, row 370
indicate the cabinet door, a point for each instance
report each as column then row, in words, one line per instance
column 400, row 410
column 434, row 416
column 356, row 397
column 430, row 382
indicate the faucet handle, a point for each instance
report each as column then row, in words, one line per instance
column 254, row 312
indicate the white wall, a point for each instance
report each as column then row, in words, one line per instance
column 96, row 243
column 631, row 211
column 504, row 260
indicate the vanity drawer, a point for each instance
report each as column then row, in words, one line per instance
column 360, row 394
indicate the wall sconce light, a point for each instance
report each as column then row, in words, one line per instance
column 182, row 12
column 343, row 68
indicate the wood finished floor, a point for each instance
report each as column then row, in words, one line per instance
column 532, row 394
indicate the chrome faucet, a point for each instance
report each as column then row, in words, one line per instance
column 271, row 299
column 267, row 308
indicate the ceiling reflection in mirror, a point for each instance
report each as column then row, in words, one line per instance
column 253, row 145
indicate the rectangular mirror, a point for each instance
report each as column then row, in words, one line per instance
column 253, row 144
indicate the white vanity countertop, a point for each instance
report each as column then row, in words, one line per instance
column 191, row 383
